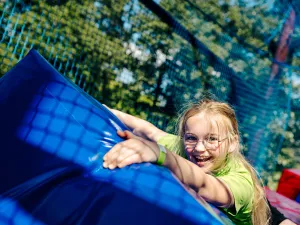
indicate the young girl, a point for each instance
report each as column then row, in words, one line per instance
column 208, row 136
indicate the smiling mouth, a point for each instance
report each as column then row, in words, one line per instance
column 202, row 159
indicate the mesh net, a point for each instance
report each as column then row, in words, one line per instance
column 150, row 57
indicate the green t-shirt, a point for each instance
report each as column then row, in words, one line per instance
column 234, row 175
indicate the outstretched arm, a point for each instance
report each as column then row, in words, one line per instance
column 140, row 127
column 206, row 185
column 137, row 150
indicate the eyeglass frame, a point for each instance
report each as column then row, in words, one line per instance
column 204, row 142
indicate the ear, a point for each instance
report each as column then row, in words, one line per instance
column 234, row 144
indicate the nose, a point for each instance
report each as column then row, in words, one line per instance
column 200, row 147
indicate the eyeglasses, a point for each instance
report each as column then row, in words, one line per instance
column 210, row 142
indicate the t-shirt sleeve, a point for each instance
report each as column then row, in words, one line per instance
column 241, row 186
column 172, row 143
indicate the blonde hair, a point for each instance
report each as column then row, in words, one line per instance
column 225, row 116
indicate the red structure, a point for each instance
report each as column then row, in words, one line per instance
column 289, row 183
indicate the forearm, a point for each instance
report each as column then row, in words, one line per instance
column 209, row 187
column 131, row 122
column 139, row 126
column 186, row 171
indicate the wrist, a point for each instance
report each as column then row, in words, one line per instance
column 162, row 155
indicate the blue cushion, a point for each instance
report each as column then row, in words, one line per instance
column 50, row 131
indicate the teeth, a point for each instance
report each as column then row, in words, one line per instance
column 202, row 159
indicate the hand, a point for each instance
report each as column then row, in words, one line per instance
column 114, row 111
column 133, row 150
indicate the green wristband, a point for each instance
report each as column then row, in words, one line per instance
column 162, row 155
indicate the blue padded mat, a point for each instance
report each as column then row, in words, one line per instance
column 50, row 132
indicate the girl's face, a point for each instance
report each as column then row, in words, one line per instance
column 204, row 141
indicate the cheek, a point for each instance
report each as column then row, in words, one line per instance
column 216, row 153
column 188, row 151
column 221, row 151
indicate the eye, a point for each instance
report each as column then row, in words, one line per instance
column 212, row 138
column 190, row 138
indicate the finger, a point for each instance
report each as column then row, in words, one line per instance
column 105, row 165
column 108, row 155
column 106, row 106
column 112, row 163
column 111, row 110
column 124, row 154
column 121, row 152
column 115, row 112
column 121, row 134
column 130, row 135
column 135, row 158
column 127, row 135
column 118, row 157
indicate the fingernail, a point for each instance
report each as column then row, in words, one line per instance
column 105, row 165
column 111, row 166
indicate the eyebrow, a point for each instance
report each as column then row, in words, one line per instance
column 211, row 134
